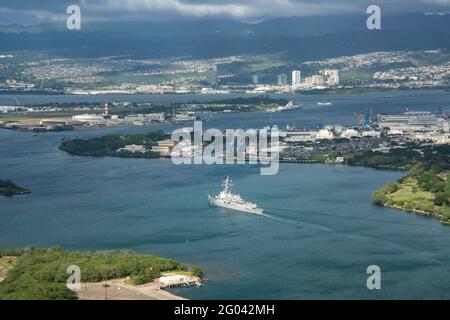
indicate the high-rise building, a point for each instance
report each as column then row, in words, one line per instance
column 309, row 81
column 255, row 79
column 317, row 80
column 296, row 77
column 211, row 76
column 333, row 77
column 282, row 79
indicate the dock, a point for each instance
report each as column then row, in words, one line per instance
column 176, row 281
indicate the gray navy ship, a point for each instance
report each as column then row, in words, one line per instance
column 226, row 199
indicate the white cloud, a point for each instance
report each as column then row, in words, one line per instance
column 242, row 9
column 32, row 14
column 32, row 11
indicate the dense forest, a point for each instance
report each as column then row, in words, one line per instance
column 396, row 159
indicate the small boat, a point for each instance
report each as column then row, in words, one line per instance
column 291, row 105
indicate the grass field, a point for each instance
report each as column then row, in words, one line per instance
column 411, row 197
column 410, row 191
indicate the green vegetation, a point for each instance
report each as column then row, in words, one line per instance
column 426, row 188
column 380, row 196
column 8, row 188
column 240, row 104
column 6, row 264
column 41, row 273
column 396, row 159
column 195, row 271
column 109, row 144
column 409, row 194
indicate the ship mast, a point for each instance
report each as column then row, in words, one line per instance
column 227, row 184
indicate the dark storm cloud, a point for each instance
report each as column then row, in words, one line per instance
column 31, row 11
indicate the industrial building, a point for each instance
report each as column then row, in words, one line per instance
column 164, row 147
column 413, row 122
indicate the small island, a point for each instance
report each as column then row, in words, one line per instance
column 41, row 274
column 114, row 145
column 239, row 104
column 8, row 188
column 426, row 187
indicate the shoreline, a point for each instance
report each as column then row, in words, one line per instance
column 9, row 189
column 418, row 212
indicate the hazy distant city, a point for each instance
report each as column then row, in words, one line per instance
column 382, row 70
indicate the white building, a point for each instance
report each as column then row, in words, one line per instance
column 370, row 133
column 133, row 148
column 325, row 134
column 317, row 80
column 88, row 118
column 332, row 77
column 350, row 133
column 164, row 147
column 11, row 109
column 296, row 78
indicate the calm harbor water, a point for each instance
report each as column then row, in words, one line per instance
column 320, row 234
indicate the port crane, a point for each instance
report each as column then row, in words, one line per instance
column 320, row 123
column 364, row 119
column 360, row 118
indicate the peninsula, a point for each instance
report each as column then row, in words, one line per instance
column 113, row 145
column 8, row 188
column 41, row 274
column 426, row 187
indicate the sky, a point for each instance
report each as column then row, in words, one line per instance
column 30, row 12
